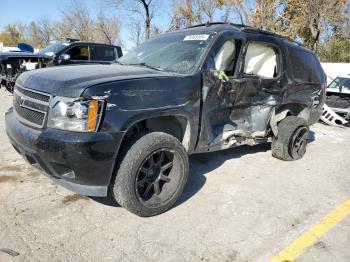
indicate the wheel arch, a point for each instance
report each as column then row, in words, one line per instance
column 176, row 125
column 285, row 110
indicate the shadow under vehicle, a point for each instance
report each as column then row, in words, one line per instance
column 130, row 126
column 67, row 52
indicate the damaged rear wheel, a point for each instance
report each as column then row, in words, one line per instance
column 292, row 139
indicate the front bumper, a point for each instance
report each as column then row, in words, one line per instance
column 81, row 162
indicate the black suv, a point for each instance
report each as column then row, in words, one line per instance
column 129, row 127
column 67, row 52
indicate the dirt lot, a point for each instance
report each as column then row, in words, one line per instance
column 239, row 205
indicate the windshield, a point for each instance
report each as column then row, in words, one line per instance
column 176, row 52
column 341, row 84
column 54, row 48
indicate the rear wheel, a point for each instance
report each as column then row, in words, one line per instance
column 152, row 175
column 292, row 139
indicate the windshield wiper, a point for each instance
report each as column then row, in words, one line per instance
column 148, row 66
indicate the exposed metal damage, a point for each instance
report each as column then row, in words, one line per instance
column 260, row 88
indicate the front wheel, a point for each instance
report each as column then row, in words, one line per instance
column 152, row 175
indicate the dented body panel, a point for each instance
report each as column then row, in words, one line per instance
column 246, row 105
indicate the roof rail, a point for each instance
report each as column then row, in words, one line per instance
column 70, row 40
column 251, row 29
column 208, row 24
column 247, row 29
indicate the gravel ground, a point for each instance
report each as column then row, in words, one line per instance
column 239, row 205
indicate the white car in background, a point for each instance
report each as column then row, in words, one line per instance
column 338, row 96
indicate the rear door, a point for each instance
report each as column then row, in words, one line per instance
column 259, row 88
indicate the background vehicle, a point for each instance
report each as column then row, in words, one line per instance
column 130, row 126
column 338, row 96
column 68, row 52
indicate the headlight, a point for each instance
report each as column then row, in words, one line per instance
column 80, row 116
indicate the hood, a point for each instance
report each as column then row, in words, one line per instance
column 71, row 81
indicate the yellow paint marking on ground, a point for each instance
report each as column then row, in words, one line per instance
column 311, row 236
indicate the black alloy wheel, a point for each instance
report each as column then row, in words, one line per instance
column 152, row 174
column 298, row 142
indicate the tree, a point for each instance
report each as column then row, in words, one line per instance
column 107, row 28
column 182, row 14
column 40, row 33
column 136, row 32
column 142, row 8
column 265, row 13
column 238, row 7
column 78, row 22
column 189, row 12
column 13, row 34
column 337, row 50
column 307, row 19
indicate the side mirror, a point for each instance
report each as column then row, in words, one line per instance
column 64, row 57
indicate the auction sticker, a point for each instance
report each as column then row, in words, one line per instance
column 202, row 37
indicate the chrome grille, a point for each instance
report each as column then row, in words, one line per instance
column 34, row 95
column 31, row 107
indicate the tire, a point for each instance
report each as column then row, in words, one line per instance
column 147, row 161
column 292, row 139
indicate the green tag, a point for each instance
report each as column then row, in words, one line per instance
column 223, row 76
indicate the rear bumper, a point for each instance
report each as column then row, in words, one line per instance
column 80, row 162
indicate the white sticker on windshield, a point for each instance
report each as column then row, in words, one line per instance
column 196, row 37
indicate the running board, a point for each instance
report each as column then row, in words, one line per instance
column 331, row 118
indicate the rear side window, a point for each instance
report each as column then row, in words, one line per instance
column 261, row 59
column 102, row 53
column 304, row 66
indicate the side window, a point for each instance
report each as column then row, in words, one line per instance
column 224, row 58
column 102, row 53
column 261, row 59
column 346, row 85
column 340, row 84
column 304, row 65
column 334, row 86
column 80, row 52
